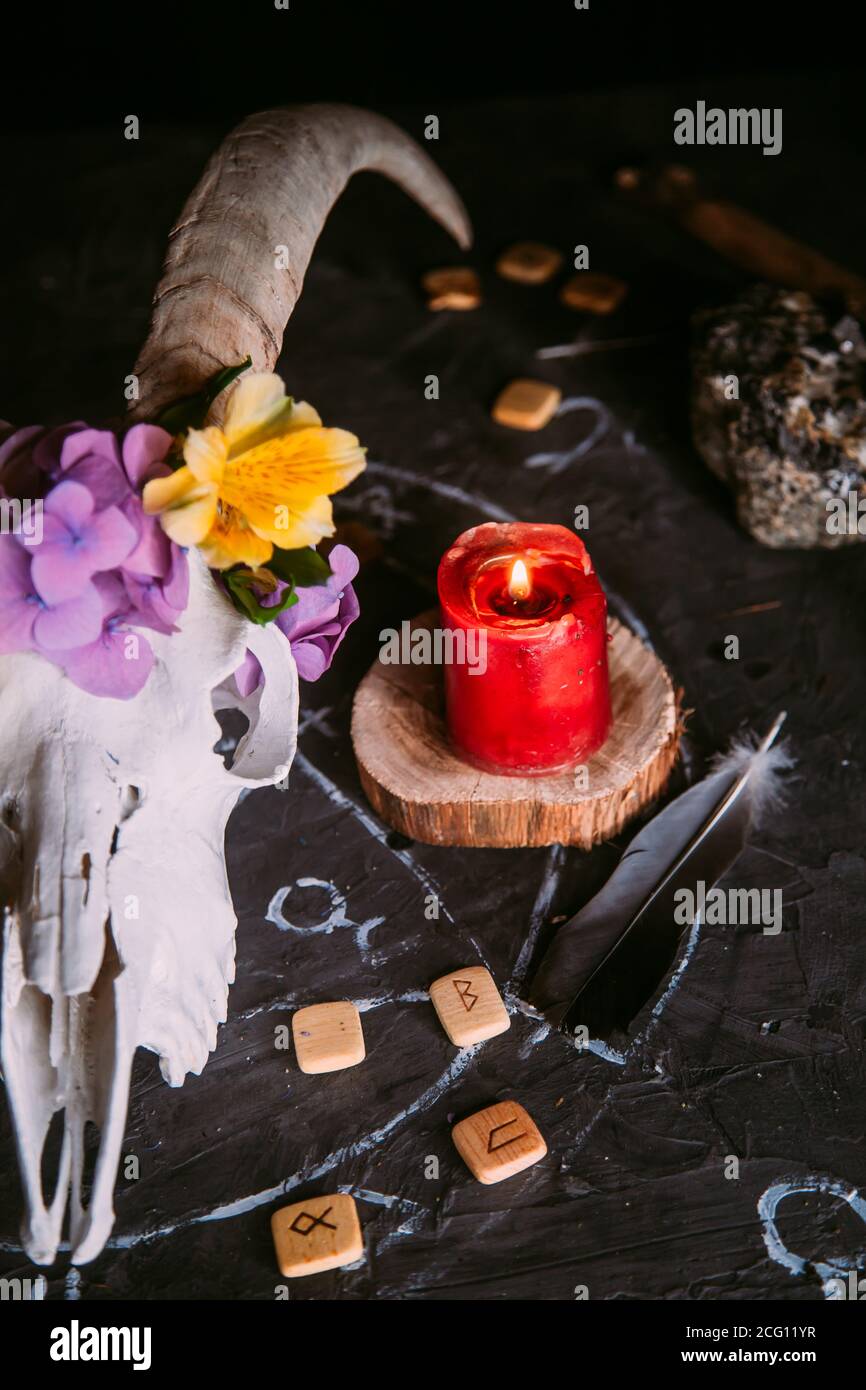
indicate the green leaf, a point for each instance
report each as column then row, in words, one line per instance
column 241, row 586
column 305, row 568
column 190, row 413
column 225, row 378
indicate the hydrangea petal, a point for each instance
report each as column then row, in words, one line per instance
column 71, row 503
column 18, row 602
column 144, row 447
column 71, row 624
column 105, row 481
column 61, row 572
column 249, row 675
column 113, row 665
column 111, row 537
column 83, row 442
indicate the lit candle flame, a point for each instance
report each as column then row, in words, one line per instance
column 519, row 584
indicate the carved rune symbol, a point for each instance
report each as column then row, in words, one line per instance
column 313, row 1220
column 491, row 1147
column 465, row 994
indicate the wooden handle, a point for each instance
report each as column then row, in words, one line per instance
column 750, row 242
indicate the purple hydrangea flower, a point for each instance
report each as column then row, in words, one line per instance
column 102, row 568
column 28, row 622
column 118, row 661
column 115, row 476
column 315, row 625
column 77, row 542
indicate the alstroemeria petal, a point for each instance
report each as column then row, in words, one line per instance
column 204, row 453
column 230, row 542
column 256, row 399
column 186, row 507
column 161, row 493
column 304, row 416
column 294, row 415
column 307, row 526
column 278, row 483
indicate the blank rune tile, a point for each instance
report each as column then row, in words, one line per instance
column 328, row 1037
column 529, row 262
column 498, row 1142
column 526, row 404
column 457, row 287
column 469, row 1005
column 593, row 293
column 317, row 1234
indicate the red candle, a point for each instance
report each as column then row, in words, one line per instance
column 538, row 700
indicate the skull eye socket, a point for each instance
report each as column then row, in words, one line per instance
column 234, row 723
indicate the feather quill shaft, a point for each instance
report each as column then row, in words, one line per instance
column 610, row 959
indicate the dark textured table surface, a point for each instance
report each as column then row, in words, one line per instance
column 759, row 1051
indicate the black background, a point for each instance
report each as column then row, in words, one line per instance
column 86, row 63
column 537, row 102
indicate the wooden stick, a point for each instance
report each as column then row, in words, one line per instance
column 741, row 237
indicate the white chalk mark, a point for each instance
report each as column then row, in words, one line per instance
column 243, row 1205
column 411, row 996
column 602, row 1050
column 289, row 1002
column 541, row 907
column 336, row 918
column 379, row 1199
column 768, row 1204
column 406, row 1228
column 583, row 347
column 448, row 490
column 537, row 1036
column 520, row 1006
column 317, row 719
column 365, row 1144
column 557, row 462
column 345, row 803
column 609, row 1054
column 376, row 503
column 672, row 984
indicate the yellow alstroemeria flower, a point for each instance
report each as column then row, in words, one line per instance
column 262, row 480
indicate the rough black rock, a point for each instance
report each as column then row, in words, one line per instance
column 791, row 442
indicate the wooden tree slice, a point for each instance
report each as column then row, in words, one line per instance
column 419, row 785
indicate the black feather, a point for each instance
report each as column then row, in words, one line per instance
column 610, row 959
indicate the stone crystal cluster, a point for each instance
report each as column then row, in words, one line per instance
column 779, row 414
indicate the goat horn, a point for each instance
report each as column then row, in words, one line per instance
column 224, row 294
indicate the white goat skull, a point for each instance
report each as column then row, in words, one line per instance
column 119, row 927
column 122, row 929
